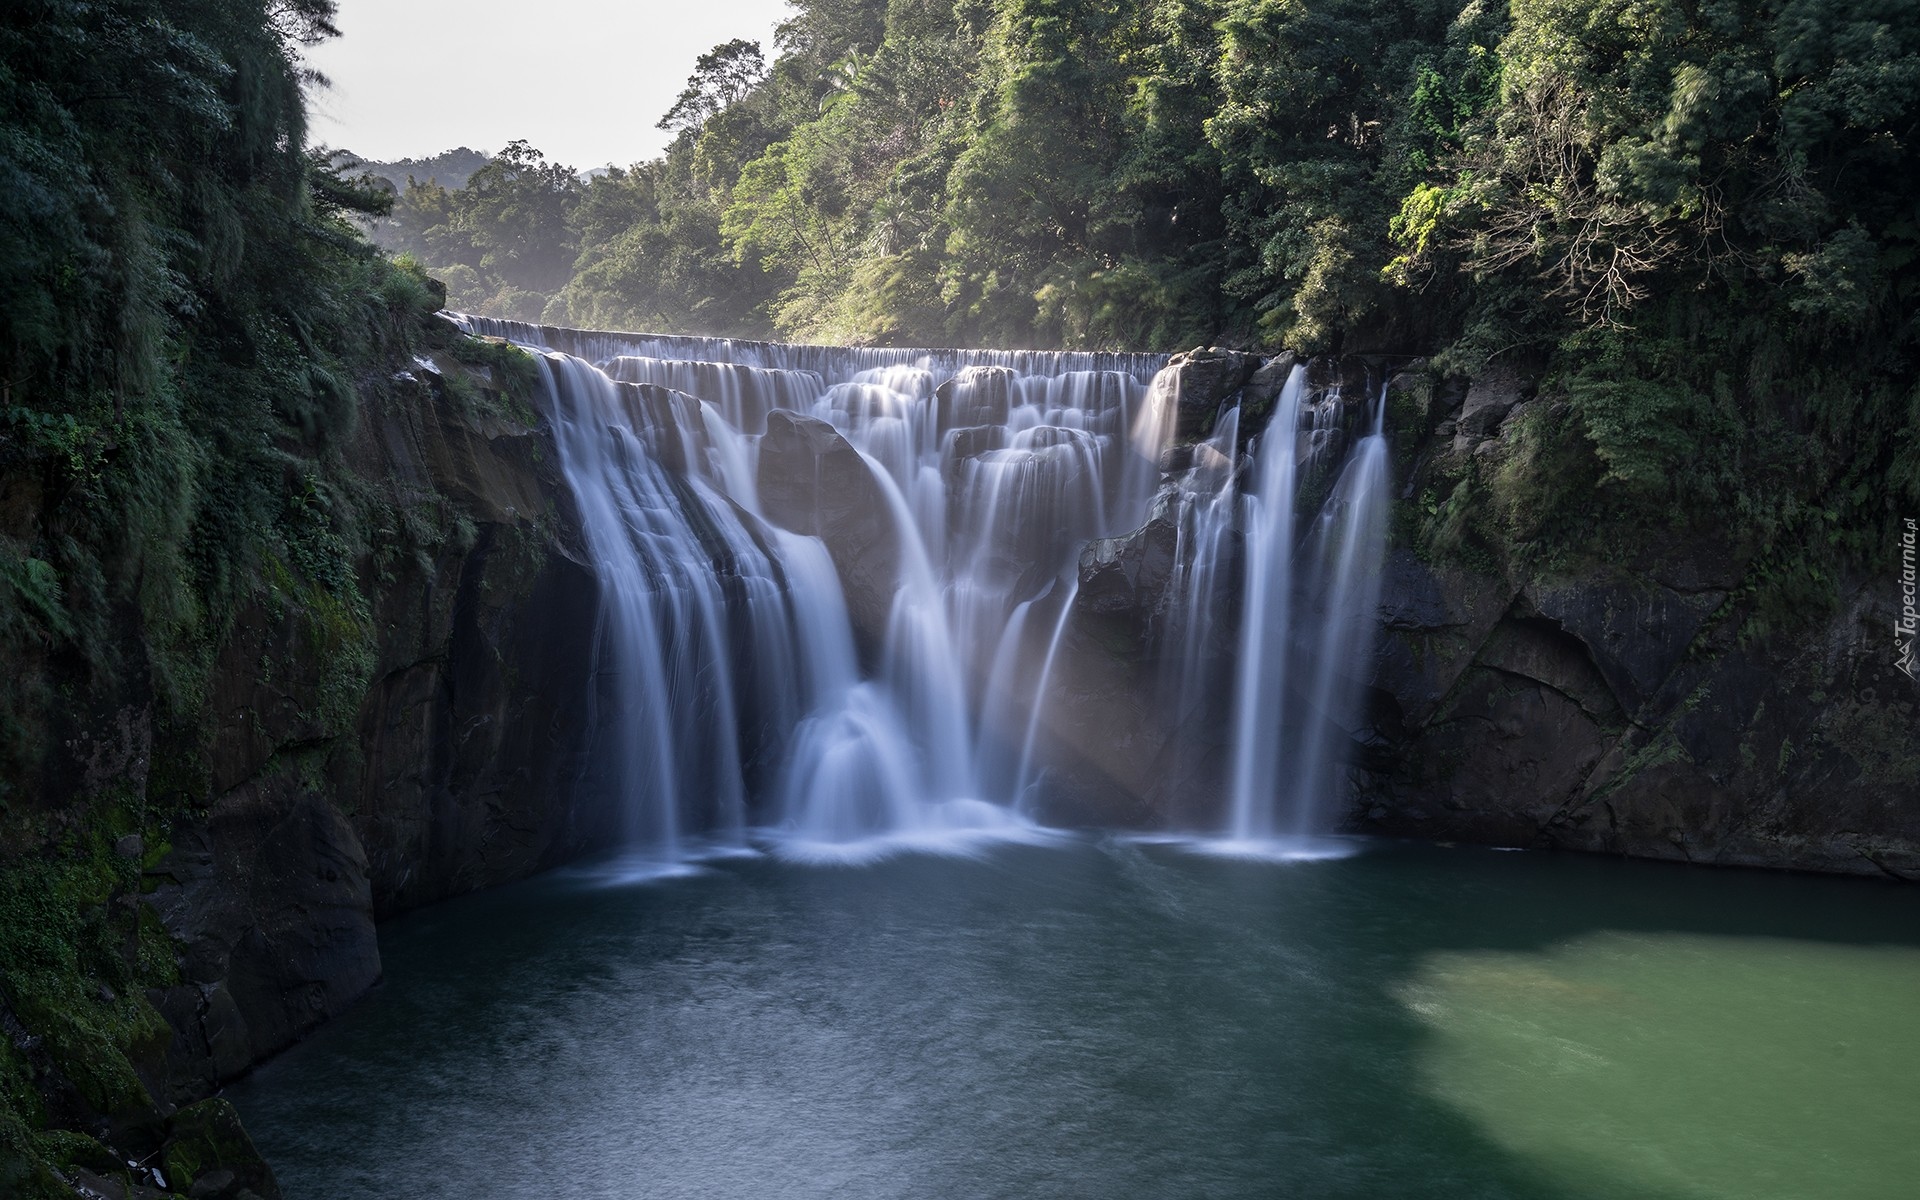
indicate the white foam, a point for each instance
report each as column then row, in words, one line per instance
column 1280, row 849
column 953, row 828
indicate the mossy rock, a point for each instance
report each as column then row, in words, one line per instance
column 24, row 1177
column 65, row 1148
column 89, row 1040
column 207, row 1137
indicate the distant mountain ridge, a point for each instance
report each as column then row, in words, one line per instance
column 450, row 168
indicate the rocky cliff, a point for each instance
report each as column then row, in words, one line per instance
column 1632, row 706
column 1624, row 707
column 351, row 762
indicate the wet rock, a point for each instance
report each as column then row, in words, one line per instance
column 207, row 1145
column 1617, row 716
column 813, row 481
column 650, row 406
column 1107, row 730
column 965, row 445
column 214, row 1184
column 976, row 396
column 270, row 904
column 975, row 440
column 1261, row 391
column 1201, row 381
column 1508, row 754
column 1176, row 459
column 1124, row 580
column 1434, row 619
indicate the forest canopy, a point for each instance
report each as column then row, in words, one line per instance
column 1276, row 172
column 1697, row 218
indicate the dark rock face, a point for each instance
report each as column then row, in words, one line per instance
column 1623, row 719
column 813, row 481
column 355, row 762
column 1434, row 619
column 470, row 750
column 1616, row 713
column 1622, row 714
column 1124, row 581
column 1637, row 634
column 271, row 907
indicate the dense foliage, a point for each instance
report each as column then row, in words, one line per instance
column 189, row 325
column 187, row 321
column 1695, row 218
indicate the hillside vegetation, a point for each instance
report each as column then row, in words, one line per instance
column 190, row 325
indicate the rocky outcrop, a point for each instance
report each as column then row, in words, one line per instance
column 341, row 797
column 1106, row 726
column 1617, row 711
column 1489, row 400
column 976, row 396
column 1626, row 717
column 1202, row 382
column 364, row 750
column 813, row 481
column 1623, row 709
column 270, row 904
column 473, row 733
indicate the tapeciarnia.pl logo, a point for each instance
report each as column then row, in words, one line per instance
column 1905, row 629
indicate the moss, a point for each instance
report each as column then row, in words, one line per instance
column 207, row 1136
column 24, row 1177
column 78, row 950
column 512, row 376
column 156, row 956
column 333, row 633
column 91, row 1039
column 65, row 1148
column 21, row 1107
column 1458, row 524
column 1877, row 734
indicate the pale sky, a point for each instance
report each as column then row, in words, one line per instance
column 583, row 80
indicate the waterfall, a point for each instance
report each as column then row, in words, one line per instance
column 1309, row 587
column 837, row 582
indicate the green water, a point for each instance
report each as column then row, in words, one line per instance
column 1104, row 1019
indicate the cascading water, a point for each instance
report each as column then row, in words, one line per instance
column 735, row 690
column 1309, row 589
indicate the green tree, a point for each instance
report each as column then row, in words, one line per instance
column 722, row 77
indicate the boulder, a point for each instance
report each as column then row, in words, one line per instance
column 968, row 443
column 1199, row 382
column 813, row 481
column 976, row 396
column 1490, row 397
column 1124, row 580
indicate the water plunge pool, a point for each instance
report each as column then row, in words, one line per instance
column 1104, row 1018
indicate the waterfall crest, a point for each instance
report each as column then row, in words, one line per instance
column 835, row 583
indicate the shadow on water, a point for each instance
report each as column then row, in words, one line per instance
column 1104, row 1019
